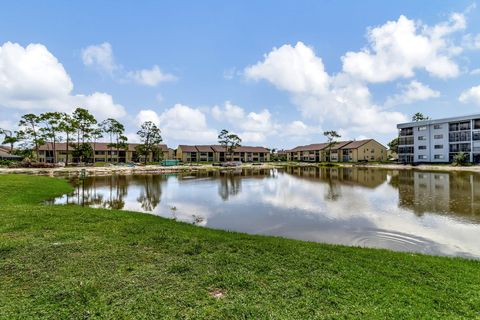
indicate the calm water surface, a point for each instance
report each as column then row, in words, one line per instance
column 429, row 212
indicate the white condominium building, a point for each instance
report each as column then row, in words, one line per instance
column 439, row 140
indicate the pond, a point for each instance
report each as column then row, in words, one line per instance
column 403, row 210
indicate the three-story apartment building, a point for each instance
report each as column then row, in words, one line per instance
column 439, row 140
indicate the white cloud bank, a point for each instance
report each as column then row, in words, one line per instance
column 33, row 80
column 340, row 99
column 257, row 127
column 101, row 58
column 471, row 95
column 399, row 47
column 181, row 123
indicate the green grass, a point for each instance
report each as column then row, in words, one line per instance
column 70, row 262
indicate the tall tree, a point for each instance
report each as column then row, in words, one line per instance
column 10, row 137
column 84, row 122
column 30, row 124
column 331, row 136
column 419, row 117
column 96, row 134
column 51, row 129
column 229, row 141
column 150, row 137
column 393, row 145
column 68, row 126
column 115, row 130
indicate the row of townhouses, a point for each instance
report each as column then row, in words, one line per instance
column 217, row 153
column 101, row 153
column 439, row 140
column 342, row 151
column 196, row 153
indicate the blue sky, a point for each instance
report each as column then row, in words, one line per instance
column 277, row 73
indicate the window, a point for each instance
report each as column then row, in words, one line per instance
column 459, row 126
column 422, row 138
column 460, row 147
column 459, row 136
column 437, row 126
column 406, row 132
column 422, row 157
column 438, row 136
column 405, row 140
column 438, row 146
column 422, row 147
column 422, row 128
column 438, row 157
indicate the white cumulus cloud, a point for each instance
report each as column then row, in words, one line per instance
column 471, row 95
column 414, row 91
column 151, row 77
column 399, row 47
column 33, row 80
column 101, row 57
column 342, row 99
column 292, row 68
column 181, row 124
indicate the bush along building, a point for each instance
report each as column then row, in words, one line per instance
column 341, row 151
column 102, row 152
column 439, row 140
column 217, row 153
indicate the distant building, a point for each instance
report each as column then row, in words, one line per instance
column 102, row 153
column 439, row 140
column 341, row 151
column 216, row 153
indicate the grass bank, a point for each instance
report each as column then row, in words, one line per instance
column 70, row 262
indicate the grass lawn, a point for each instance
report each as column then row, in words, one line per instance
column 70, row 262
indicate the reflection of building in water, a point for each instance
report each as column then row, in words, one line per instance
column 229, row 180
column 365, row 177
column 457, row 193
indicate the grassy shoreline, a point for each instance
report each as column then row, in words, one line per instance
column 71, row 262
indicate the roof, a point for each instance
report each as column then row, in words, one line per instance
column 338, row 145
column 341, row 145
column 204, row 148
column 437, row 121
column 219, row 148
column 99, row 146
column 6, row 155
column 310, row 147
column 251, row 149
column 356, row 144
column 5, row 148
column 186, row 148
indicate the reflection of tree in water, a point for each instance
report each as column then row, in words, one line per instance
column 152, row 190
column 118, row 189
column 230, row 184
column 86, row 193
column 333, row 191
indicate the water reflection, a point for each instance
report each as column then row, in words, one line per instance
column 430, row 212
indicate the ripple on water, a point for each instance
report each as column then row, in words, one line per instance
column 377, row 238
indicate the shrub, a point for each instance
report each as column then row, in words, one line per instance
column 460, row 159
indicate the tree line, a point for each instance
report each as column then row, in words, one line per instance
column 81, row 131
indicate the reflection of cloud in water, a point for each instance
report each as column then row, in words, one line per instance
column 363, row 207
column 378, row 209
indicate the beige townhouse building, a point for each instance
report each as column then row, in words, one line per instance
column 341, row 151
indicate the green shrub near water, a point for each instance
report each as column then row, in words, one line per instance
column 73, row 262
